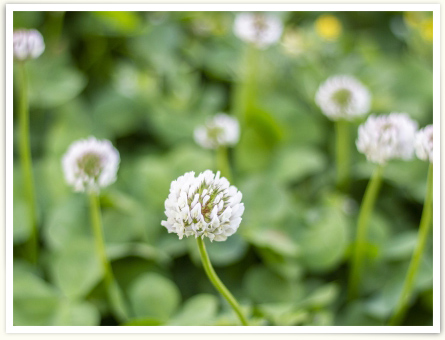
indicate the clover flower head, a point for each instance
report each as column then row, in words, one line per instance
column 90, row 164
column 258, row 28
column 220, row 130
column 344, row 97
column 206, row 205
column 386, row 137
column 424, row 143
column 28, row 44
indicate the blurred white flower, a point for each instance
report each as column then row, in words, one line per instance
column 343, row 97
column 28, row 44
column 220, row 130
column 258, row 28
column 424, row 143
column 90, row 164
column 294, row 42
column 382, row 138
column 206, row 205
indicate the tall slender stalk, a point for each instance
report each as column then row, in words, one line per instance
column 342, row 153
column 424, row 229
column 246, row 89
column 26, row 160
column 222, row 162
column 211, row 274
column 96, row 223
column 362, row 227
column 114, row 294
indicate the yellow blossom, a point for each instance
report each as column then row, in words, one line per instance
column 328, row 27
column 426, row 29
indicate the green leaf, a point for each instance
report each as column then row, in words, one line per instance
column 22, row 221
column 142, row 250
column 401, row 246
column 76, row 313
column 263, row 285
column 384, row 302
column 34, row 300
column 53, row 82
column 322, row 297
column 61, row 134
column 115, row 115
column 228, row 252
column 354, row 314
column 300, row 124
column 67, row 221
column 123, row 227
column 200, row 310
column 284, row 314
column 253, row 153
column 293, row 164
column 275, row 240
column 266, row 202
column 323, row 243
column 76, row 268
column 153, row 295
column 322, row 318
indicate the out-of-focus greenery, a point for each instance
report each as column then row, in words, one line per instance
column 145, row 80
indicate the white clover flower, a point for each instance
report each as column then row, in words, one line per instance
column 382, row 138
column 220, row 130
column 206, row 205
column 28, row 44
column 258, row 28
column 343, row 97
column 424, row 143
column 90, row 164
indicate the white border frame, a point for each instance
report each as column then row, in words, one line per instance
column 10, row 8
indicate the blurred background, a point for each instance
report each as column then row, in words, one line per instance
column 145, row 80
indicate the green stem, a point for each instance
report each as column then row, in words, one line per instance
column 26, row 160
column 362, row 226
column 217, row 282
column 222, row 162
column 424, row 229
column 96, row 223
column 55, row 24
column 113, row 291
column 342, row 153
column 246, row 88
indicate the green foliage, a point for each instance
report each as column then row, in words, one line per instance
column 76, row 268
column 153, row 295
column 145, row 80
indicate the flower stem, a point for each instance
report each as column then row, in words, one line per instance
column 26, row 161
column 222, row 162
column 362, row 226
column 342, row 153
column 246, row 89
column 217, row 282
column 424, row 228
column 113, row 291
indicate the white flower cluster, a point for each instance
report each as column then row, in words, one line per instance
column 27, row 44
column 424, row 143
column 221, row 130
column 206, row 205
column 90, row 164
column 382, row 138
column 343, row 97
column 258, row 28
